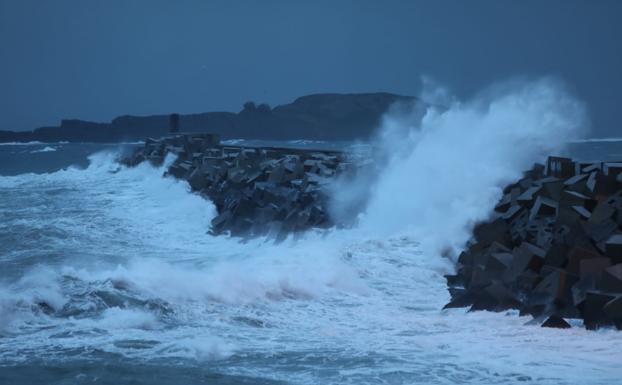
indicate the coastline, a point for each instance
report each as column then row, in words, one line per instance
column 552, row 249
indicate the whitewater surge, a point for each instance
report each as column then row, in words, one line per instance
column 112, row 262
column 447, row 169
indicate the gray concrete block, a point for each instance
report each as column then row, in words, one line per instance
column 592, row 310
column 601, row 213
column 611, row 279
column 578, row 254
column 543, row 207
column 593, row 267
column 197, row 180
column 613, row 248
column 560, row 167
column 613, row 310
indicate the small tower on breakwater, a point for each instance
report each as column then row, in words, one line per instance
column 173, row 123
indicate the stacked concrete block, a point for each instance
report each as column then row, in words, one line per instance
column 553, row 248
column 257, row 191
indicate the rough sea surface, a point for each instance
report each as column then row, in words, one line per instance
column 108, row 276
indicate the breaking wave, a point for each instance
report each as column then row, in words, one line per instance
column 111, row 260
column 447, row 168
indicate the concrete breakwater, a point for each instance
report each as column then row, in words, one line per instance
column 257, row 191
column 553, row 250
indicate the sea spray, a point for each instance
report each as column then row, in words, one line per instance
column 446, row 170
column 146, row 287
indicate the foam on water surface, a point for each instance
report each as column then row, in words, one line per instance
column 114, row 265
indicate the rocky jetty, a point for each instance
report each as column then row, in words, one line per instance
column 257, row 191
column 553, row 249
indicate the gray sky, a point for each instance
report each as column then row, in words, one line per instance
column 95, row 60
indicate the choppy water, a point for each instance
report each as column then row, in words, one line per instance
column 108, row 276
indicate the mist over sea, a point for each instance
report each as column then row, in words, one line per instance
column 109, row 276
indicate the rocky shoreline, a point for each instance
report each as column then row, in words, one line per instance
column 553, row 249
column 263, row 191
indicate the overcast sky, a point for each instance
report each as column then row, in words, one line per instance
column 94, row 60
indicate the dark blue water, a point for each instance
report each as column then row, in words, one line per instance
column 108, row 276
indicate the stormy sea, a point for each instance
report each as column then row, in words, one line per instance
column 109, row 276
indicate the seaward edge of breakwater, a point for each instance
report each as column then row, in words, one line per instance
column 258, row 191
column 552, row 249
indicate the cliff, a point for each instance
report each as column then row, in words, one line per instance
column 314, row 117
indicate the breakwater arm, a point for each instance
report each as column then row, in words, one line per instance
column 553, row 249
column 257, row 190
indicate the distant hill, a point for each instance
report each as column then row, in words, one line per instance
column 315, row 117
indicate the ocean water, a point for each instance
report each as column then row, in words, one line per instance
column 108, row 275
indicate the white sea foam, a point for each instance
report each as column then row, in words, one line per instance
column 446, row 170
column 201, row 349
column 347, row 306
column 44, row 149
column 117, row 318
column 233, row 142
column 33, row 143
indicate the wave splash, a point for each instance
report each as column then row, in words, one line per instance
column 131, row 270
column 444, row 169
column 128, row 253
column 447, row 166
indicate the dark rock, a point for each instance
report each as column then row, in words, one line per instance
column 197, row 179
column 612, row 168
column 554, row 288
column 455, row 280
column 504, row 297
column 252, row 188
column 526, row 256
column 483, row 301
column 593, row 267
column 460, row 298
column 573, row 198
column 577, row 236
column 504, row 204
column 560, row 167
column 552, row 189
column 527, row 197
column 613, row 310
column 556, row 255
column 592, row 310
column 605, row 185
column 499, row 262
column 495, row 231
column 601, row 231
column 567, row 216
column 575, row 180
column 613, row 248
column 611, row 279
column 557, row 322
column 564, row 230
column 543, row 207
column 580, row 289
column 576, row 255
column 601, row 213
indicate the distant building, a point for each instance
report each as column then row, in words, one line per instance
column 173, row 123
